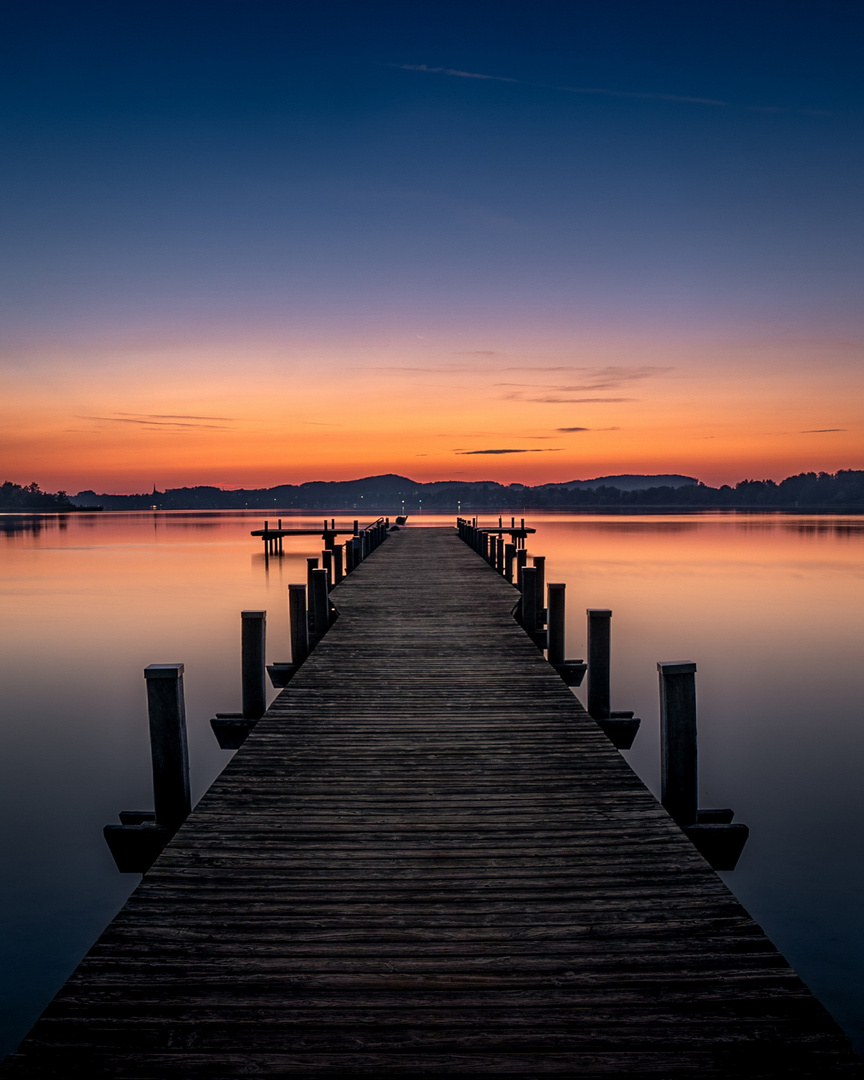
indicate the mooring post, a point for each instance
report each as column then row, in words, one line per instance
column 349, row 556
column 167, row 711
column 299, row 624
column 509, row 556
column 599, row 645
column 311, row 565
column 540, row 565
column 555, row 624
column 337, row 563
column 253, row 668
column 678, row 764
column 528, row 588
column 356, row 527
column 521, row 563
column 319, row 601
column 327, row 562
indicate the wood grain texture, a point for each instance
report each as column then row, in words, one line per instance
column 427, row 860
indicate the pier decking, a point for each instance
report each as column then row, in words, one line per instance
column 427, row 860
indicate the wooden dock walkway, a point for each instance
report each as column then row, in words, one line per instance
column 427, row 860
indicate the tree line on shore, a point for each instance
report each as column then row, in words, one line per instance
column 808, row 490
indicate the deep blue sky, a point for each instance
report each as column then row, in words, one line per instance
column 327, row 184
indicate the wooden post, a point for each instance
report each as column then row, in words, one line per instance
column 349, row 556
column 555, row 624
column 509, row 556
column 599, row 643
column 327, row 562
column 167, row 711
column 540, row 565
column 356, row 527
column 319, row 601
column 521, row 562
column 678, row 780
column 299, row 624
column 311, row 564
column 528, row 588
column 337, row 563
column 254, row 668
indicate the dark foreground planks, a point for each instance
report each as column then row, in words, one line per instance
column 426, row 860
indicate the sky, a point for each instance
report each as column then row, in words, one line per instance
column 256, row 243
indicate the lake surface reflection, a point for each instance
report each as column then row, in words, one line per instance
column 771, row 608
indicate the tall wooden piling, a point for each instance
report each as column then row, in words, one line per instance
column 337, row 563
column 599, row 647
column 253, row 667
column 299, row 623
column 528, row 588
column 319, row 603
column 555, row 622
column 509, row 557
column 678, row 763
column 166, row 708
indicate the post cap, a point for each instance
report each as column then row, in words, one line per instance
column 676, row 667
column 163, row 671
column 556, row 585
column 599, row 613
column 253, row 614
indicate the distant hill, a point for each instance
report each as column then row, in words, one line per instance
column 629, row 482
column 370, row 496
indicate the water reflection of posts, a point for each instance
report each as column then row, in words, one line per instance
column 711, row 831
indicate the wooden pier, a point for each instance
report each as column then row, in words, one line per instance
column 428, row 860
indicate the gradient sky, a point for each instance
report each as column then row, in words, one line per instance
column 255, row 243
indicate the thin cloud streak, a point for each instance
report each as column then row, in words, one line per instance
column 596, row 91
column 539, row 450
column 454, row 72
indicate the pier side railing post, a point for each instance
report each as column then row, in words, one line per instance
column 555, row 623
column 678, row 763
column 599, row 647
column 337, row 563
column 528, row 588
column 299, row 624
column 253, row 665
column 509, row 557
column 166, row 708
column 319, row 602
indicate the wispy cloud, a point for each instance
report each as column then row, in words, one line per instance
column 568, row 430
column 161, row 420
column 539, row 450
column 601, row 91
column 822, row 430
column 551, row 399
column 610, row 377
column 454, row 72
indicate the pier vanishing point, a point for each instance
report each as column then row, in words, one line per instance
column 428, row 860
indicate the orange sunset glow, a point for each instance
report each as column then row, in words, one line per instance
column 178, row 415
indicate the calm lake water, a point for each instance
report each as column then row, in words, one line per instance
column 770, row 607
